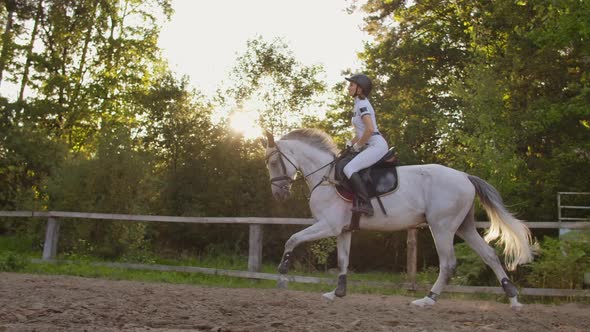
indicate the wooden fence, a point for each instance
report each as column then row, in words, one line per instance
column 255, row 248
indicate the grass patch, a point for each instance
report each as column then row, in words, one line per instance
column 81, row 265
column 15, row 255
column 87, row 270
column 16, row 244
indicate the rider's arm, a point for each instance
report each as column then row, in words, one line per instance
column 367, row 133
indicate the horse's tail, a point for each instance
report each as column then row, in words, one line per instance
column 513, row 234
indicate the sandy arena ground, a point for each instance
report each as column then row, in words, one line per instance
column 62, row 303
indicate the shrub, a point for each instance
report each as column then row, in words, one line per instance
column 321, row 250
column 11, row 261
column 471, row 269
column 562, row 262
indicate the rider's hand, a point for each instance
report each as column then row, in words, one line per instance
column 348, row 144
column 356, row 147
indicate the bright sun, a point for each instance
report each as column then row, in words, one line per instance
column 245, row 123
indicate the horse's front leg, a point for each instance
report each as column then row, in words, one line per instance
column 319, row 230
column 343, row 246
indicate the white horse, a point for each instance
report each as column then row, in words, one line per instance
column 437, row 195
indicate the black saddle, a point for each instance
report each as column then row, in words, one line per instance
column 379, row 179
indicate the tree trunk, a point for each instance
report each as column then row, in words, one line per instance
column 25, row 79
column 80, row 74
column 7, row 37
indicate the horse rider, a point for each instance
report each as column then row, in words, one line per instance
column 368, row 142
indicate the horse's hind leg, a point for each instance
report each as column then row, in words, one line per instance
column 343, row 245
column 443, row 239
column 468, row 232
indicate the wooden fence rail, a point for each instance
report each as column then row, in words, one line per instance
column 256, row 237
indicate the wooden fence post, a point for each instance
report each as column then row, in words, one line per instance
column 51, row 238
column 412, row 256
column 255, row 248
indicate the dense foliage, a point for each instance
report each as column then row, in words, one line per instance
column 562, row 262
column 93, row 120
column 497, row 89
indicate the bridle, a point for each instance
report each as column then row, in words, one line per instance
column 284, row 177
column 288, row 179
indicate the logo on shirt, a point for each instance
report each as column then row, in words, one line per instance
column 363, row 110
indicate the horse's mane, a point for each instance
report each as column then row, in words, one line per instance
column 313, row 137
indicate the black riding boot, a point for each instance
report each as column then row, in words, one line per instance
column 362, row 202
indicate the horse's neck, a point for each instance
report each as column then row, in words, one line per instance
column 309, row 159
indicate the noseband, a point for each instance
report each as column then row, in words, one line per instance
column 285, row 177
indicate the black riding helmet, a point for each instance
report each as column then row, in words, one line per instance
column 363, row 81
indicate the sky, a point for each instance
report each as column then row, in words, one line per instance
column 203, row 38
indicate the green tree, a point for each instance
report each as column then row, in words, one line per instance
column 71, row 140
column 117, row 180
column 27, row 157
column 178, row 131
column 269, row 80
column 498, row 89
column 92, row 56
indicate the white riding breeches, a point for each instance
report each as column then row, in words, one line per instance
column 375, row 149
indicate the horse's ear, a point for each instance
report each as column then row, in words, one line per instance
column 271, row 140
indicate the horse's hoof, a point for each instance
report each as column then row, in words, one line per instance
column 515, row 305
column 282, row 282
column 330, row 296
column 424, row 302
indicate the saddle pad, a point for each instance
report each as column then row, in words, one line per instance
column 379, row 181
column 344, row 193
